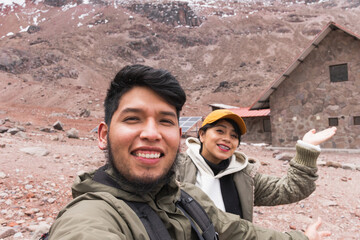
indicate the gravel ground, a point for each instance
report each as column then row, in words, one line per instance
column 34, row 186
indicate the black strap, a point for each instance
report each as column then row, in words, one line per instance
column 151, row 221
column 190, row 207
column 154, row 226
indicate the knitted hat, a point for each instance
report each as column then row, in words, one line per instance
column 225, row 113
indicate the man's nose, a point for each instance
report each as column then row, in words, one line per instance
column 151, row 131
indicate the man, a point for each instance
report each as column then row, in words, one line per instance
column 141, row 135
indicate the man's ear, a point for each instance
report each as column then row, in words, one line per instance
column 102, row 136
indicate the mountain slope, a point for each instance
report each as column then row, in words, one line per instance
column 60, row 53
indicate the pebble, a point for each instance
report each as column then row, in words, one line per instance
column 6, row 232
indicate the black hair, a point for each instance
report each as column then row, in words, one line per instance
column 158, row 80
column 211, row 125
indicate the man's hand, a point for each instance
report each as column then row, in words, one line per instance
column 312, row 231
column 315, row 138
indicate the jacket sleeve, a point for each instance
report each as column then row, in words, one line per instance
column 231, row 226
column 90, row 220
column 298, row 184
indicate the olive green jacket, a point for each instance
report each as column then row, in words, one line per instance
column 97, row 212
column 255, row 188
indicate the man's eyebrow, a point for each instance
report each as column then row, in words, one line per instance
column 129, row 110
column 167, row 113
column 137, row 110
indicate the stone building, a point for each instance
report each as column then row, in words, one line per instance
column 257, row 122
column 319, row 89
column 257, row 125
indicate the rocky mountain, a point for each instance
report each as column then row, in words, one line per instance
column 63, row 53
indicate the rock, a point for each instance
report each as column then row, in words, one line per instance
column 3, row 195
column 35, row 151
column 328, row 203
column 3, row 129
column 3, row 175
column 33, row 29
column 58, row 126
column 264, row 163
column 55, row 3
column 333, row 164
column 21, row 128
column 284, row 157
column 13, row 131
column 22, row 135
column 39, row 229
column 84, row 113
column 292, row 227
column 54, row 138
column 46, row 129
column 357, row 213
column 72, row 133
column 321, row 163
column 349, row 166
column 276, row 152
column 18, row 235
column 6, row 232
column 344, row 179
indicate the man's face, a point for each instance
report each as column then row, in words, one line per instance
column 144, row 136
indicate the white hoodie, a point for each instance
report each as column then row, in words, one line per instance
column 205, row 178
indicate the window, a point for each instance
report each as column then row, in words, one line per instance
column 356, row 120
column 339, row 73
column 333, row 122
column 267, row 125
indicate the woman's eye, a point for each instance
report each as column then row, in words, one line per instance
column 234, row 136
column 219, row 131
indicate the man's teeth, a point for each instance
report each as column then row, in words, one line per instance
column 224, row 147
column 148, row 155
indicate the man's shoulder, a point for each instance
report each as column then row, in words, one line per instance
column 196, row 193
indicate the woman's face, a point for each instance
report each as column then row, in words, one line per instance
column 219, row 142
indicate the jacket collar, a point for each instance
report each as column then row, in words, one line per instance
column 168, row 192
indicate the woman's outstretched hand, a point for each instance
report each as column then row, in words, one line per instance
column 312, row 231
column 316, row 138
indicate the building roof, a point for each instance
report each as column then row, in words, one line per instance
column 263, row 101
column 222, row 106
column 246, row 112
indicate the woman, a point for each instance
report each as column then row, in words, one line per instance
column 231, row 179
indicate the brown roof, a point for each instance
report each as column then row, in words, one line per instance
column 246, row 112
column 263, row 101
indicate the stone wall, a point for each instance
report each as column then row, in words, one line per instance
column 255, row 131
column 307, row 98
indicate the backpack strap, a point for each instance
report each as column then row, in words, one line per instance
column 195, row 212
column 154, row 226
